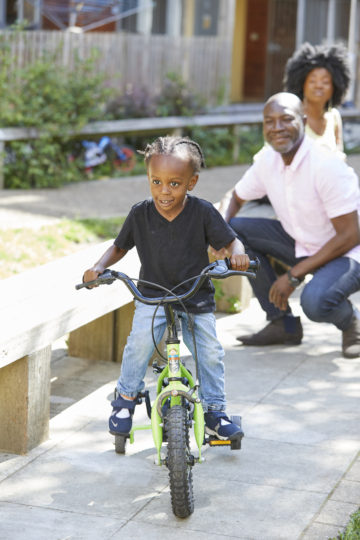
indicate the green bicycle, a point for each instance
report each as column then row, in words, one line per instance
column 177, row 407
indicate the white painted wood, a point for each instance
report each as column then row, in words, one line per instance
column 41, row 305
column 138, row 125
column 120, row 69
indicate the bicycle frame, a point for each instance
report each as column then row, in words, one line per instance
column 176, row 389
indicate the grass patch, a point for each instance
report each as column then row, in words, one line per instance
column 352, row 531
column 22, row 249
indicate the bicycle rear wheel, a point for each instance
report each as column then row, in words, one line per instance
column 179, row 461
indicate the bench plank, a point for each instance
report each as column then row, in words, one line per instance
column 41, row 305
column 169, row 124
column 140, row 125
column 153, row 124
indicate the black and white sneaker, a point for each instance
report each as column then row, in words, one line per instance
column 120, row 421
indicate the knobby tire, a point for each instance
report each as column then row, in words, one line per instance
column 178, row 458
column 120, row 444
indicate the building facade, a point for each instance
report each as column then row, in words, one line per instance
column 262, row 33
column 267, row 32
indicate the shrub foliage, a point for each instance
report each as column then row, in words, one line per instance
column 56, row 101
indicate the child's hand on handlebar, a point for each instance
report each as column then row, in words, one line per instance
column 238, row 258
column 239, row 262
column 90, row 275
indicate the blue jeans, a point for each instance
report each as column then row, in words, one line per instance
column 324, row 298
column 140, row 347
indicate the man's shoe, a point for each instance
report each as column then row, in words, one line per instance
column 284, row 331
column 120, row 421
column 351, row 339
column 219, row 425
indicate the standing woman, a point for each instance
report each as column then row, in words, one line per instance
column 320, row 76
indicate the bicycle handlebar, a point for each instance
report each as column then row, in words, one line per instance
column 220, row 269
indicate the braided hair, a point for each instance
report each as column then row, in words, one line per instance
column 334, row 58
column 176, row 145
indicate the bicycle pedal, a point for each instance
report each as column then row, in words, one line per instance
column 235, row 444
column 219, row 442
column 211, row 440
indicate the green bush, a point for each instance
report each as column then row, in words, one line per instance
column 56, row 101
column 218, row 143
column 250, row 142
column 59, row 101
column 175, row 99
column 136, row 102
column 352, row 531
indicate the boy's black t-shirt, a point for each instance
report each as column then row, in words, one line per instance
column 173, row 251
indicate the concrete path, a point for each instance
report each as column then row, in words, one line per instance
column 296, row 477
column 105, row 198
column 98, row 198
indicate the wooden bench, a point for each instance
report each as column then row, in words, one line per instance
column 37, row 308
column 170, row 124
column 165, row 125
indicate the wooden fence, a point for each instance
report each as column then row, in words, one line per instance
column 204, row 63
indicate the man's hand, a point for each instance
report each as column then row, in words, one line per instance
column 280, row 292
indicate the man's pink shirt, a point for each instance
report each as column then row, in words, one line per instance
column 306, row 194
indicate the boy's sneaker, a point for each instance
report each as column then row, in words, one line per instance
column 219, row 425
column 120, row 421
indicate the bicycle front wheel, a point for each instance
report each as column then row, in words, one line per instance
column 179, row 461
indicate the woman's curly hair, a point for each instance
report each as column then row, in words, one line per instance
column 334, row 58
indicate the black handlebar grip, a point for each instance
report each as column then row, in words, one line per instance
column 105, row 277
column 254, row 264
column 80, row 286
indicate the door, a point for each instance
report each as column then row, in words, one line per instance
column 270, row 41
column 255, row 50
column 281, row 42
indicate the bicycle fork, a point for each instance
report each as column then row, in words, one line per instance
column 176, row 391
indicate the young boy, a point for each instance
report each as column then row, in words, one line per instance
column 172, row 232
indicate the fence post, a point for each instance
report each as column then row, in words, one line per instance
column 2, row 153
column 235, row 132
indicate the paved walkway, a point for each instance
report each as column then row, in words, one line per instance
column 105, row 198
column 296, row 477
column 98, row 198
